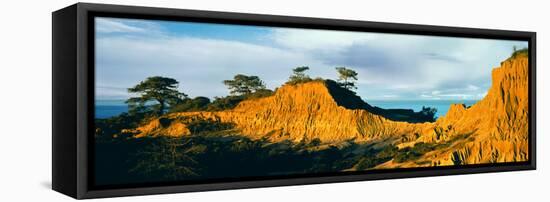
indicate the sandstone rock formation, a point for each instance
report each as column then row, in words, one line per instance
column 493, row 130
column 300, row 112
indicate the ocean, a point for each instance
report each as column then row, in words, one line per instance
column 442, row 106
column 110, row 108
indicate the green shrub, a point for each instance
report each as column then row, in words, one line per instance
column 107, row 128
column 387, row 152
column 195, row 104
column 413, row 153
column 259, row 94
column 223, row 103
column 427, row 114
column 520, row 52
column 298, row 76
column 365, row 163
column 231, row 101
column 199, row 125
column 315, row 142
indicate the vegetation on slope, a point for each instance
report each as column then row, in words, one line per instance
column 519, row 52
column 348, row 99
column 214, row 149
column 210, row 156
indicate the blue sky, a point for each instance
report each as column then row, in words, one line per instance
column 200, row 56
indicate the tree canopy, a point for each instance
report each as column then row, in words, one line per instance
column 522, row 51
column 163, row 90
column 299, row 75
column 196, row 104
column 244, row 85
column 346, row 77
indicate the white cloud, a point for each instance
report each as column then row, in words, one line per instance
column 107, row 25
column 199, row 64
column 472, row 87
column 104, row 92
column 400, row 62
column 462, row 96
column 316, row 40
column 481, row 95
column 390, row 96
column 408, row 66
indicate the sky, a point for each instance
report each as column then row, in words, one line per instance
column 201, row 55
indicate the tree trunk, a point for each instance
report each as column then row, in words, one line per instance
column 161, row 108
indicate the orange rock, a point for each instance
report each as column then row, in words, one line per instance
column 493, row 130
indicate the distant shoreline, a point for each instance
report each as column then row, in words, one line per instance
column 106, row 108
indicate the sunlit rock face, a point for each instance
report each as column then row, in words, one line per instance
column 301, row 112
column 493, row 130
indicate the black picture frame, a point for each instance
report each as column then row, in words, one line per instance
column 73, row 97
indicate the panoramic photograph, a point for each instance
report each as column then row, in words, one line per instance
column 194, row 102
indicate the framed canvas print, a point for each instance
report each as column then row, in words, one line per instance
column 154, row 100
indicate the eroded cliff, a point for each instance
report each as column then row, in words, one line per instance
column 301, row 112
column 493, row 130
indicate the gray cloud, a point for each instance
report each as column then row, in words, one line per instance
column 438, row 56
column 106, row 25
column 361, row 55
column 200, row 65
column 390, row 66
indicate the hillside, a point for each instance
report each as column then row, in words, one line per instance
column 300, row 112
column 492, row 130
